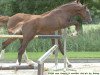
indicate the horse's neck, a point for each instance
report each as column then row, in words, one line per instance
column 70, row 8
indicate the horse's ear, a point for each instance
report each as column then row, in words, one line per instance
column 78, row 1
column 85, row 6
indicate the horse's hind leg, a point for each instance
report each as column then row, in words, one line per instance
column 4, row 45
column 27, row 37
column 25, row 54
column 24, row 44
column 25, row 57
column 7, row 42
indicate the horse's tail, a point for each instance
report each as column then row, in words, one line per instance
column 17, row 29
column 4, row 20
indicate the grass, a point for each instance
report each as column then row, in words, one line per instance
column 71, row 55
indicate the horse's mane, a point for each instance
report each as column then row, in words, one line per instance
column 46, row 13
column 62, row 6
column 59, row 7
column 67, row 5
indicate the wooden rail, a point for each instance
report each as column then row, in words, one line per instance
column 16, row 67
column 37, row 36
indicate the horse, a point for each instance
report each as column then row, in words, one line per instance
column 14, row 22
column 58, row 18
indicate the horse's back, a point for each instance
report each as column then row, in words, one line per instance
column 16, row 19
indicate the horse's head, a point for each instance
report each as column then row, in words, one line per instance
column 83, row 11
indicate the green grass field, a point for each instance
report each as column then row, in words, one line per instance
column 71, row 55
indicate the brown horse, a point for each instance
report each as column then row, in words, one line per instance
column 56, row 19
column 14, row 23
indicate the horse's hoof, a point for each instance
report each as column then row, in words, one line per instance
column 69, row 65
column 31, row 63
column 16, row 69
column 19, row 62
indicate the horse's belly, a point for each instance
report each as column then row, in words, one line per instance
column 45, row 32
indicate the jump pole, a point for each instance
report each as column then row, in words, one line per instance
column 56, row 51
column 37, row 36
column 64, row 37
column 16, row 67
column 43, row 58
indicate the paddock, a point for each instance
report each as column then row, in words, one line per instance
column 40, row 64
column 55, row 68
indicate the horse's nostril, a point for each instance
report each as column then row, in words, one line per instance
column 87, row 21
column 90, row 21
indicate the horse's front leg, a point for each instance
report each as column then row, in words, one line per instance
column 78, row 28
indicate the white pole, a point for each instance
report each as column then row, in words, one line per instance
column 64, row 37
column 47, row 54
column 2, row 54
column 56, row 51
column 43, row 58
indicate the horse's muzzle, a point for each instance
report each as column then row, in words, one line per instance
column 89, row 21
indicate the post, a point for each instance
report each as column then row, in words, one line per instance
column 2, row 54
column 43, row 58
column 40, row 68
column 56, row 51
column 64, row 37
